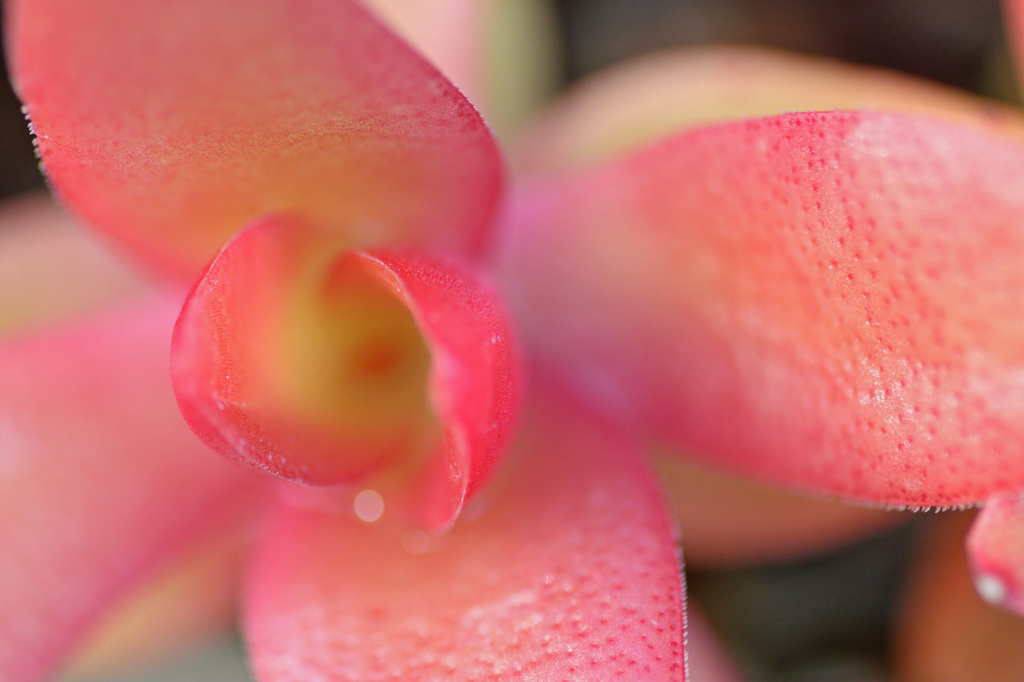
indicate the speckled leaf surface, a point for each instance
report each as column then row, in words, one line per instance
column 326, row 366
column 566, row 571
column 170, row 125
column 99, row 478
column 830, row 301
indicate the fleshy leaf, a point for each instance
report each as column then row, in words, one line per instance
column 327, row 366
column 567, row 571
column 99, row 478
column 996, row 550
column 501, row 53
column 189, row 602
column 170, row 125
column 56, row 270
column 946, row 632
column 830, row 301
column 638, row 102
column 448, row 32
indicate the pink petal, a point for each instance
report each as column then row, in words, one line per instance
column 649, row 98
column 326, row 366
column 99, row 478
column 568, row 571
column 170, row 125
column 995, row 547
column 829, row 301
column 56, row 269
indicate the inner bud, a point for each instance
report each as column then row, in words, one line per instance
column 325, row 366
column 306, row 362
column 352, row 364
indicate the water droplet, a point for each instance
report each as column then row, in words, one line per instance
column 369, row 506
column 991, row 588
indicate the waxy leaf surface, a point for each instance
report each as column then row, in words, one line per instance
column 171, row 125
column 620, row 109
column 830, row 301
column 99, row 478
column 567, row 570
column 50, row 269
column 327, row 366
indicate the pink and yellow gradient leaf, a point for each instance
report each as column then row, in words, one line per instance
column 100, row 480
column 50, row 270
column 450, row 33
column 566, row 570
column 830, row 301
column 502, row 54
column 327, row 366
column 995, row 547
column 170, row 125
column 188, row 602
column 639, row 102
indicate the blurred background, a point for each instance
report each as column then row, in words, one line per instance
column 829, row 618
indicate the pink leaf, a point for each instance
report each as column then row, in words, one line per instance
column 57, row 270
column 638, row 102
column 502, row 54
column 450, row 33
column 995, row 548
column 830, row 301
column 568, row 571
column 191, row 601
column 99, row 478
column 327, row 366
column 170, row 125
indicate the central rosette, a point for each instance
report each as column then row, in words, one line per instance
column 330, row 367
column 347, row 360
